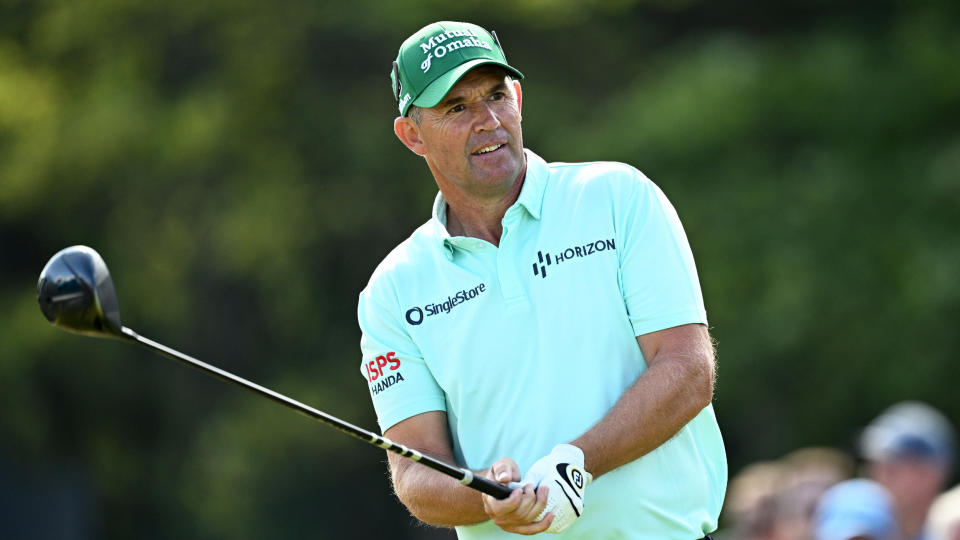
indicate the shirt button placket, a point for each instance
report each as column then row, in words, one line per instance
column 510, row 283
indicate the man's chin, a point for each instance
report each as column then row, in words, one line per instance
column 503, row 162
column 499, row 180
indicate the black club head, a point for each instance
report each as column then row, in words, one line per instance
column 76, row 293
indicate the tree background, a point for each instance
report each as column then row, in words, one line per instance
column 234, row 163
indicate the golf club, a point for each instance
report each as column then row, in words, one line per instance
column 76, row 293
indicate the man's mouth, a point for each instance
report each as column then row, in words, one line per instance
column 487, row 149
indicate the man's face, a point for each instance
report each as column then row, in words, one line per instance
column 914, row 483
column 472, row 140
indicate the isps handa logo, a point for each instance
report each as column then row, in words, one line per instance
column 574, row 252
column 380, row 372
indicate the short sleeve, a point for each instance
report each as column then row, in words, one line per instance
column 401, row 384
column 657, row 272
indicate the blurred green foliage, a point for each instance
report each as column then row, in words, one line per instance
column 234, row 163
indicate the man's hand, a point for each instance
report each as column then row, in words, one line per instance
column 523, row 512
column 561, row 470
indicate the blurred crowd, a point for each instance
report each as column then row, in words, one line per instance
column 896, row 487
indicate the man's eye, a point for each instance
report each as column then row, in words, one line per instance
column 497, row 96
column 456, row 108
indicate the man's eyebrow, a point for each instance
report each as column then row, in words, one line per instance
column 456, row 100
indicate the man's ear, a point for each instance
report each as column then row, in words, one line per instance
column 409, row 134
column 519, row 92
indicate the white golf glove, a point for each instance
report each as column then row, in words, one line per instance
column 561, row 471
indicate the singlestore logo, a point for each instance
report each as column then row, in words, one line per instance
column 415, row 315
column 574, row 252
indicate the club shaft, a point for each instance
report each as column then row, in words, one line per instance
column 464, row 476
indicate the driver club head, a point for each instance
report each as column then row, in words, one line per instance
column 76, row 293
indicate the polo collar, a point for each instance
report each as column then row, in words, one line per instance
column 530, row 198
column 534, row 185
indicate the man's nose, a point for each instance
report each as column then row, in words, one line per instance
column 486, row 118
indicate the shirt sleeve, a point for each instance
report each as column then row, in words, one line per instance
column 400, row 382
column 658, row 276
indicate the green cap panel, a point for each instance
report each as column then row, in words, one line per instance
column 431, row 61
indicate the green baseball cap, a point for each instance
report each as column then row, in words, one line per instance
column 432, row 60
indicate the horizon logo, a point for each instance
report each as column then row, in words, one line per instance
column 543, row 269
column 574, row 252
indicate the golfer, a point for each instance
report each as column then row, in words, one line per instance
column 545, row 328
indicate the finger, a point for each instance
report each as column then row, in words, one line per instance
column 528, row 503
column 543, row 496
column 523, row 514
column 505, row 470
column 497, row 507
column 534, row 528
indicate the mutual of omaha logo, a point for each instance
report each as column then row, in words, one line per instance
column 574, row 252
column 415, row 315
column 440, row 44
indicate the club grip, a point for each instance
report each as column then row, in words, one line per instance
column 494, row 489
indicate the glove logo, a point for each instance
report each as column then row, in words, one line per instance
column 573, row 477
column 577, row 478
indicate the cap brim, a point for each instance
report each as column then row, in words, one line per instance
column 438, row 89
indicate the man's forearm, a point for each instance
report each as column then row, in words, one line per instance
column 439, row 500
column 435, row 498
column 677, row 385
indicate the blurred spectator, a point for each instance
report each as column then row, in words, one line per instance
column 909, row 449
column 806, row 474
column 909, row 453
column 858, row 509
column 944, row 520
column 776, row 500
column 751, row 502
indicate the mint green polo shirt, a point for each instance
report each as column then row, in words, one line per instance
column 529, row 344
